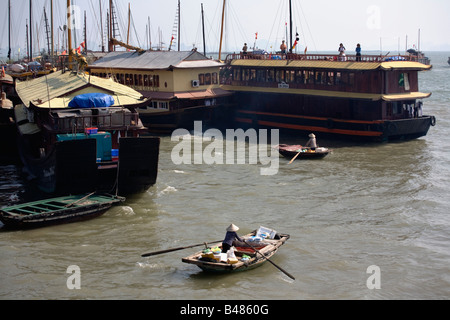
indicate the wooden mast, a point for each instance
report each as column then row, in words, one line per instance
column 30, row 53
column 203, row 28
column 290, row 26
column 69, row 34
column 129, row 18
column 9, row 30
column 51, row 31
column 110, row 35
column 221, row 31
column 179, row 25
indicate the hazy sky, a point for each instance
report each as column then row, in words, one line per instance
column 322, row 24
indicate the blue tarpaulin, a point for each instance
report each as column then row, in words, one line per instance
column 92, row 100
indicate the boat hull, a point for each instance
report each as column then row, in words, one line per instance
column 292, row 151
column 15, row 218
column 376, row 130
column 71, row 166
column 257, row 259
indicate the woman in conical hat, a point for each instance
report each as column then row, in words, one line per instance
column 312, row 142
column 230, row 236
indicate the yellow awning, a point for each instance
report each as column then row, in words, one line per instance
column 334, row 94
column 331, row 65
column 308, row 92
column 406, row 96
column 409, row 65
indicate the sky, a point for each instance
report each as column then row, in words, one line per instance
column 378, row 25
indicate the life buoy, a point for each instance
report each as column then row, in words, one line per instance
column 433, row 121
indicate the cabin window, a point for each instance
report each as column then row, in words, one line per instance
column 330, row 78
column 351, row 79
column 160, row 105
column 320, row 77
column 311, row 77
column 290, row 76
column 252, row 75
column 214, row 78
column 201, row 79
column 299, row 78
column 237, row 74
column 260, row 75
column 403, row 81
column 338, row 78
column 208, row 78
column 271, row 75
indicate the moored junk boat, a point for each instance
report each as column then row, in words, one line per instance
column 183, row 86
column 376, row 98
column 8, row 146
column 80, row 133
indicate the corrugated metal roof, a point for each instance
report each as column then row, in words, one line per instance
column 154, row 60
column 330, row 65
column 59, row 88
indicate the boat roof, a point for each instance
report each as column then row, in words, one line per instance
column 331, row 65
column 57, row 89
column 155, row 60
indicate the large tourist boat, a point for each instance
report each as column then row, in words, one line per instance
column 373, row 98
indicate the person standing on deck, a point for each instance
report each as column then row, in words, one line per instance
column 312, row 142
column 230, row 236
column 244, row 49
column 341, row 52
column 358, row 52
column 283, row 47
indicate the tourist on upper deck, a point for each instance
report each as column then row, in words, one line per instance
column 244, row 49
column 312, row 142
column 341, row 52
column 358, row 52
column 283, row 47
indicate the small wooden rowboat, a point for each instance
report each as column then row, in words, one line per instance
column 290, row 151
column 246, row 256
column 57, row 210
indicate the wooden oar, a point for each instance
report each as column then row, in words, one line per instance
column 278, row 267
column 175, row 249
column 293, row 159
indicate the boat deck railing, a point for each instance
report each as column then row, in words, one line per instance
column 318, row 57
column 78, row 121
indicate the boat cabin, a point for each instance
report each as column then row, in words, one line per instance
column 173, row 81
